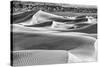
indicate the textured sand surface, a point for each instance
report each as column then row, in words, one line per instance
column 42, row 40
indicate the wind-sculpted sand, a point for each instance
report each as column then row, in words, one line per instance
column 49, row 39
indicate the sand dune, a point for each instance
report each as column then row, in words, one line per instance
column 48, row 39
column 41, row 16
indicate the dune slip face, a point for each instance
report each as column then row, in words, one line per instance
column 52, row 33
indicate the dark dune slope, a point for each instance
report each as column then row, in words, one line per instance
column 48, row 23
column 79, row 20
column 25, row 41
column 89, row 29
column 22, row 17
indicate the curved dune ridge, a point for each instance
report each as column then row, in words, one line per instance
column 54, row 22
column 42, row 16
column 49, row 39
column 92, row 28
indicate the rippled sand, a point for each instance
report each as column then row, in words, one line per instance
column 50, row 45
